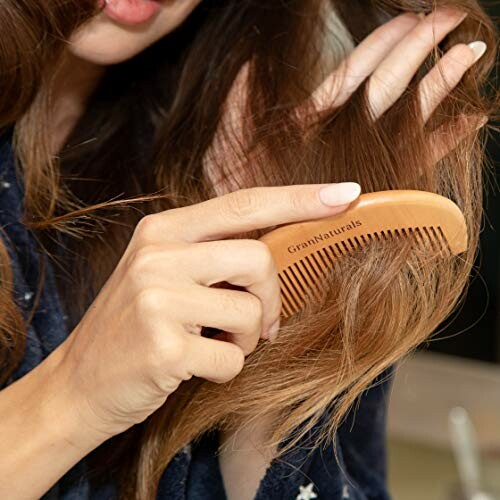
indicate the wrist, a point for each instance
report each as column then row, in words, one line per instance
column 57, row 408
column 40, row 431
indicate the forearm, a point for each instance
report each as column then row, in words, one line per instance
column 40, row 433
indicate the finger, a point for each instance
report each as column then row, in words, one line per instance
column 247, row 210
column 236, row 312
column 361, row 63
column 394, row 74
column 447, row 137
column 213, row 360
column 245, row 263
column 446, row 75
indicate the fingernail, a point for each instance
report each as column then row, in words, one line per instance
column 479, row 48
column 273, row 330
column 339, row 194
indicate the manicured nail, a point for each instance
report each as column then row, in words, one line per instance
column 479, row 48
column 273, row 330
column 339, row 194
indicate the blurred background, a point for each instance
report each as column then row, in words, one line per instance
column 444, row 414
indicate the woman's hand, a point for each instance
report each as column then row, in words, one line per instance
column 140, row 338
column 387, row 59
column 391, row 56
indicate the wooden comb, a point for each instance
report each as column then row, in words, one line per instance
column 304, row 251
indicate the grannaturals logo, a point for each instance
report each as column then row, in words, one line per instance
column 318, row 238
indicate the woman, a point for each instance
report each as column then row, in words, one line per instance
column 142, row 130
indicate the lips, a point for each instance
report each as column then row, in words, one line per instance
column 131, row 12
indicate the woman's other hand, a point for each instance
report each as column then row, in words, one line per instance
column 387, row 60
column 391, row 56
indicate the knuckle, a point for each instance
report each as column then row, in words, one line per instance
column 383, row 89
column 243, row 203
column 385, row 34
column 264, row 260
column 381, row 36
column 447, row 72
column 141, row 258
column 166, row 354
column 150, row 301
column 232, row 301
column 220, row 359
column 147, row 228
column 387, row 80
column 299, row 200
column 172, row 349
column 255, row 312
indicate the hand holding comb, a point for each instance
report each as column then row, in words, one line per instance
column 304, row 251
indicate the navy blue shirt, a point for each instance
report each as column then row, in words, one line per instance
column 354, row 467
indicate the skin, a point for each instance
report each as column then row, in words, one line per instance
column 104, row 41
column 95, row 385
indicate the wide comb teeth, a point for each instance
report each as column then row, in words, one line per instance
column 306, row 252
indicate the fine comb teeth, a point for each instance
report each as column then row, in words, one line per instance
column 304, row 251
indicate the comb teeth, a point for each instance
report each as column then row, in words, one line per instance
column 306, row 252
column 304, row 280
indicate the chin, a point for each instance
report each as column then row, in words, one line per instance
column 103, row 42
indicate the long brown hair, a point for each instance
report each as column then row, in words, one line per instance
column 147, row 130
